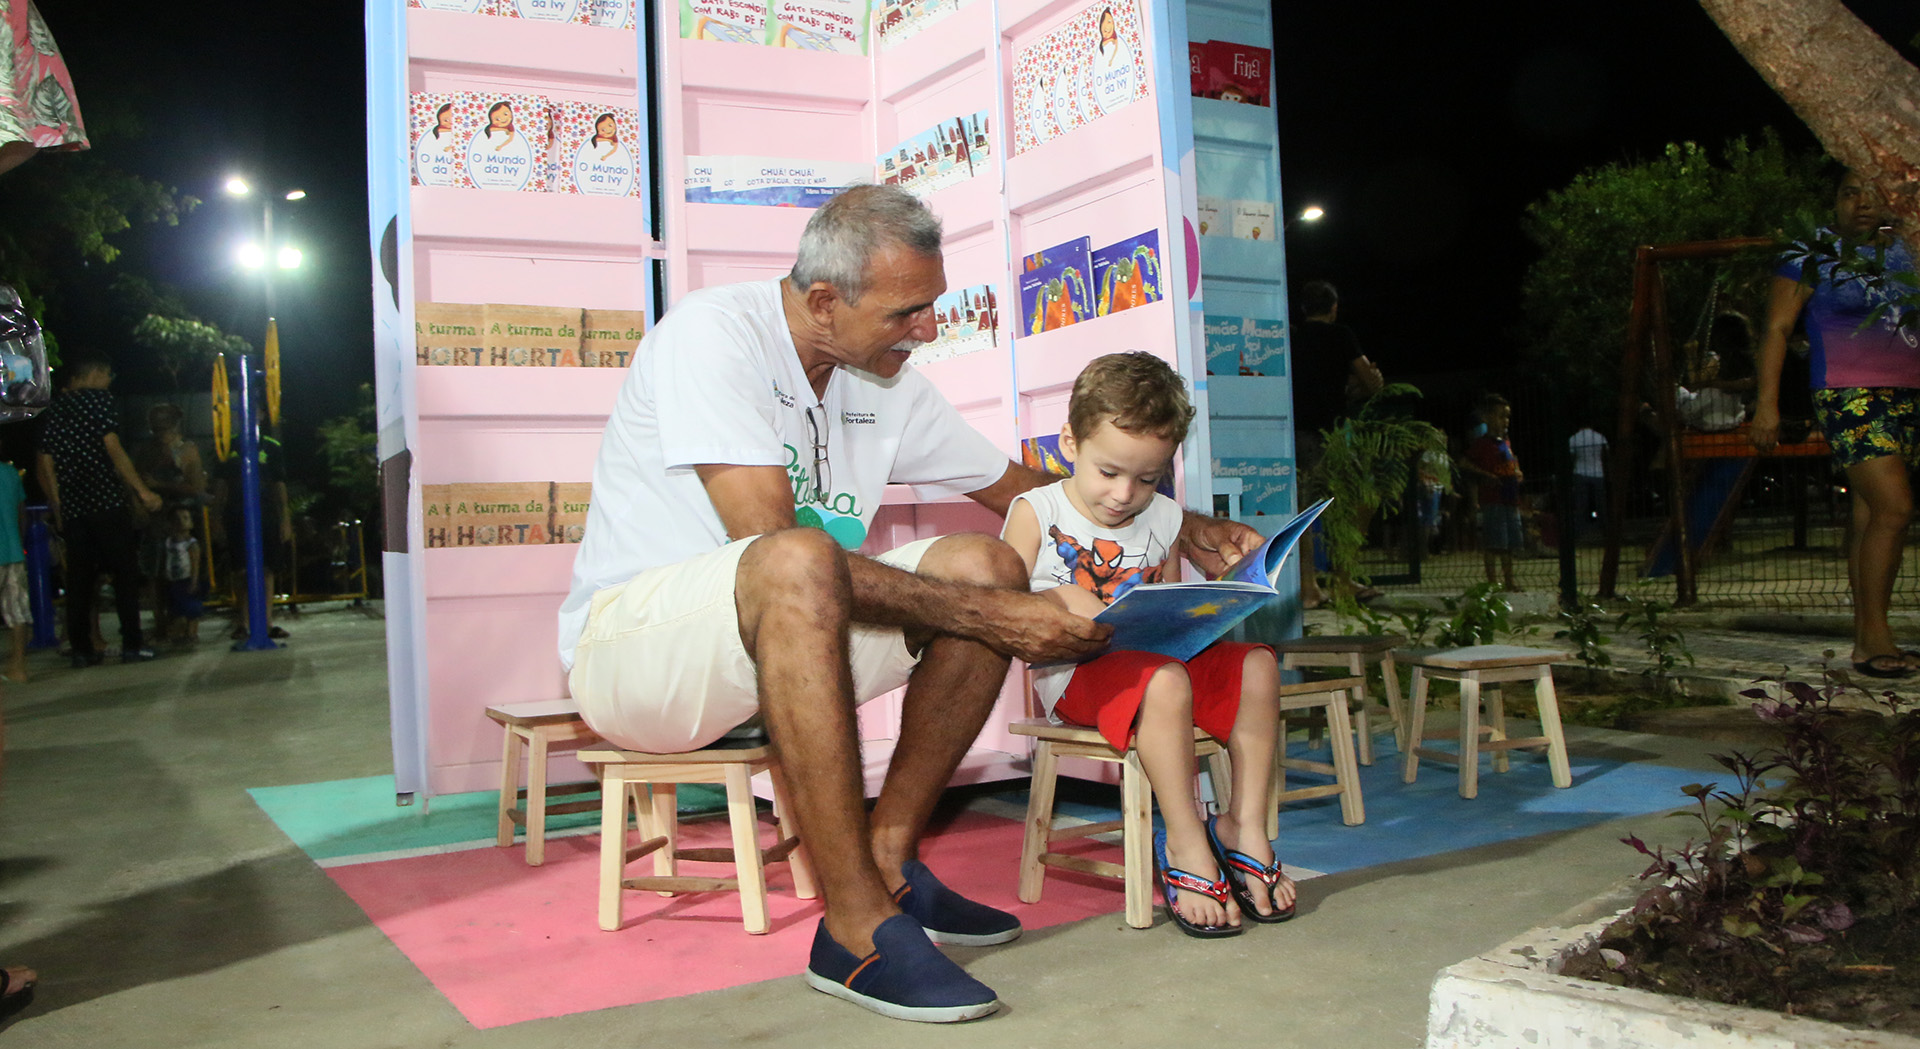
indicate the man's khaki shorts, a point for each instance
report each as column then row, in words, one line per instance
column 660, row 666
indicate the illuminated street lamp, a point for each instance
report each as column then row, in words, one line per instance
column 254, row 256
column 1310, row 214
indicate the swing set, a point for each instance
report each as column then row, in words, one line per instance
column 1709, row 472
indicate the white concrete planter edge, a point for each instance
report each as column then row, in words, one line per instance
column 1513, row 996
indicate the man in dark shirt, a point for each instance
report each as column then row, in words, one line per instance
column 1328, row 368
column 87, row 475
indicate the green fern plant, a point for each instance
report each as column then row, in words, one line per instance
column 1367, row 463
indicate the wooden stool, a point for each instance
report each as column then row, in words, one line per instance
column 1354, row 654
column 538, row 727
column 1473, row 667
column 1052, row 742
column 648, row 781
column 1329, row 697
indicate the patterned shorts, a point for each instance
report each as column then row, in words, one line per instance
column 15, row 609
column 1867, row 422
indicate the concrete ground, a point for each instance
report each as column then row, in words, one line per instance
column 162, row 908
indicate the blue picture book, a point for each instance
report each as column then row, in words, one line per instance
column 1182, row 619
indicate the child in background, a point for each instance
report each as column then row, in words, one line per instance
column 1091, row 537
column 14, row 605
column 1490, row 459
column 182, row 568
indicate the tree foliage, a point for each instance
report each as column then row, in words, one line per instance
column 348, row 443
column 1576, row 297
column 60, row 213
column 181, row 343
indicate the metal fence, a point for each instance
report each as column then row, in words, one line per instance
column 1764, row 533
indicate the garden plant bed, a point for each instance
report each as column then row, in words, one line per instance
column 1522, row 994
column 1799, row 899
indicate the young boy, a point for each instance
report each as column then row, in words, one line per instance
column 1088, row 539
column 182, row 569
column 1490, row 458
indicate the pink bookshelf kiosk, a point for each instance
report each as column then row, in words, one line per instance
column 547, row 175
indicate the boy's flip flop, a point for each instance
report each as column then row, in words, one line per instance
column 1237, row 867
column 1172, row 878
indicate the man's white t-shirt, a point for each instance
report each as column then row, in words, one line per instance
column 1589, row 453
column 719, row 381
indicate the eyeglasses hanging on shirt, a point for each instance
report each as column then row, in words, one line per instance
column 817, row 433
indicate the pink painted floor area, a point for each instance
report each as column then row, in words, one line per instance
column 506, row 942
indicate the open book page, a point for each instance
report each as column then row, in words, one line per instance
column 1182, row 619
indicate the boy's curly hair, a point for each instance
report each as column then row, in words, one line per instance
column 1138, row 391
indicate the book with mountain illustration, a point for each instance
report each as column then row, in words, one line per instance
column 1182, row 619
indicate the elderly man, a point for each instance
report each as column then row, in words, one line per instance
column 697, row 603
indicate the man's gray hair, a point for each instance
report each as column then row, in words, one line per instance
column 846, row 232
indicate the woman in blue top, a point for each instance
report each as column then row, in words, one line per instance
column 1866, row 397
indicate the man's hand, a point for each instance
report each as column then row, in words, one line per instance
column 149, row 500
column 1035, row 629
column 1213, row 544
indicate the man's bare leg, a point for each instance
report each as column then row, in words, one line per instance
column 795, row 601
column 948, row 699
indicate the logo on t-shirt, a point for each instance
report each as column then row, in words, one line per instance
column 859, row 418
column 835, row 513
column 786, row 399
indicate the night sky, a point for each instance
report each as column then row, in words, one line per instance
column 1424, row 129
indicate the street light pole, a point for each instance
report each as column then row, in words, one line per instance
column 252, row 519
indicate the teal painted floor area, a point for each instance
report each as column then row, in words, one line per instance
column 345, row 818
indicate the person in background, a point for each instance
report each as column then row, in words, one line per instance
column 38, row 111
column 170, row 465
column 14, row 605
column 87, row 475
column 180, row 578
column 1491, row 460
column 1865, row 375
column 1589, row 448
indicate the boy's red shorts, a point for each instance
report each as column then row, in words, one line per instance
column 1105, row 693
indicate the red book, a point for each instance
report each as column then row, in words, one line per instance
column 1197, row 67
column 1239, row 72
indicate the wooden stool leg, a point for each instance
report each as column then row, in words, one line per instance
column 1390, row 675
column 1353, row 811
column 1549, row 704
column 1220, row 775
column 613, row 845
column 1470, row 734
column 537, row 798
column 1496, row 700
column 666, row 823
column 1039, row 821
column 747, row 865
column 797, row 863
column 1136, row 809
column 1416, row 727
column 509, row 785
column 1363, row 720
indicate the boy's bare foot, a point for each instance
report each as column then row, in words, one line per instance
column 17, row 674
column 1254, row 844
column 1195, row 856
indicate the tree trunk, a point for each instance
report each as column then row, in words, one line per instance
column 1852, row 88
